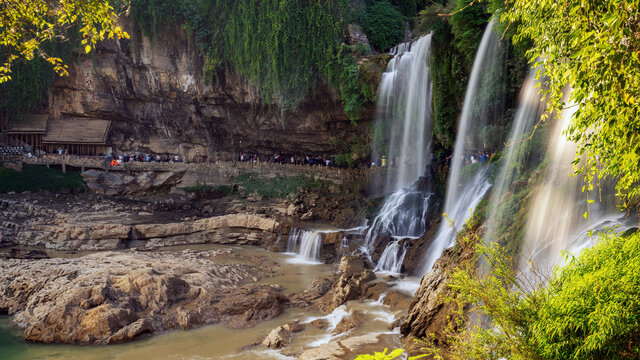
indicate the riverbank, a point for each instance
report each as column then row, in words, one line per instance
column 249, row 278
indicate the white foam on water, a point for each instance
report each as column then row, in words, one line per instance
column 408, row 286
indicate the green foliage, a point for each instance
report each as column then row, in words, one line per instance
column 449, row 81
column 30, row 80
column 594, row 48
column 527, row 169
column 36, row 178
column 381, row 355
column 408, row 8
column 592, row 308
column 588, row 309
column 281, row 46
column 384, row 25
column 27, row 26
column 353, row 152
column 357, row 84
column 25, row 93
column 152, row 15
column 277, row 187
column 468, row 23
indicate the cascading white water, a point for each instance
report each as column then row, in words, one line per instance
column 473, row 193
column 530, row 108
column 555, row 223
column 465, row 189
column 306, row 244
column 392, row 258
column 404, row 119
column 402, row 216
column 486, row 77
column 404, row 114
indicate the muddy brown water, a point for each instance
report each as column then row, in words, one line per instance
column 217, row 341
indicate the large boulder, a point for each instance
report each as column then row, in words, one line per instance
column 112, row 180
column 352, row 282
column 113, row 297
column 277, row 338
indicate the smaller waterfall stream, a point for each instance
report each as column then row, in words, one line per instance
column 487, row 77
column 392, row 257
column 460, row 212
column 468, row 183
column 514, row 162
column 402, row 216
column 555, row 221
column 306, row 244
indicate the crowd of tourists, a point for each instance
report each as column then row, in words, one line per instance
column 477, row 157
column 288, row 159
column 123, row 159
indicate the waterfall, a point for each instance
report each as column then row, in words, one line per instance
column 403, row 130
column 487, row 76
column 555, row 221
column 403, row 116
column 306, row 245
column 468, row 182
column 402, row 216
column 514, row 161
column 473, row 193
column 392, row 258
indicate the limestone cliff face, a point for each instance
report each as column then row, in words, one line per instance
column 154, row 92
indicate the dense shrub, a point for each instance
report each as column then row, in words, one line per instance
column 277, row 187
column 589, row 309
column 384, row 25
column 408, row 8
column 468, row 24
column 30, row 80
column 38, row 177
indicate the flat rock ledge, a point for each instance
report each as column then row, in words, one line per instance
column 25, row 224
column 110, row 297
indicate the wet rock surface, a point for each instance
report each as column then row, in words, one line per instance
column 350, row 348
column 111, row 297
column 352, row 281
column 24, row 254
column 428, row 313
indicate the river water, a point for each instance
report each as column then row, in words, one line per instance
column 217, row 341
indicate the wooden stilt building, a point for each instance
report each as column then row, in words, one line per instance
column 78, row 136
column 28, row 132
